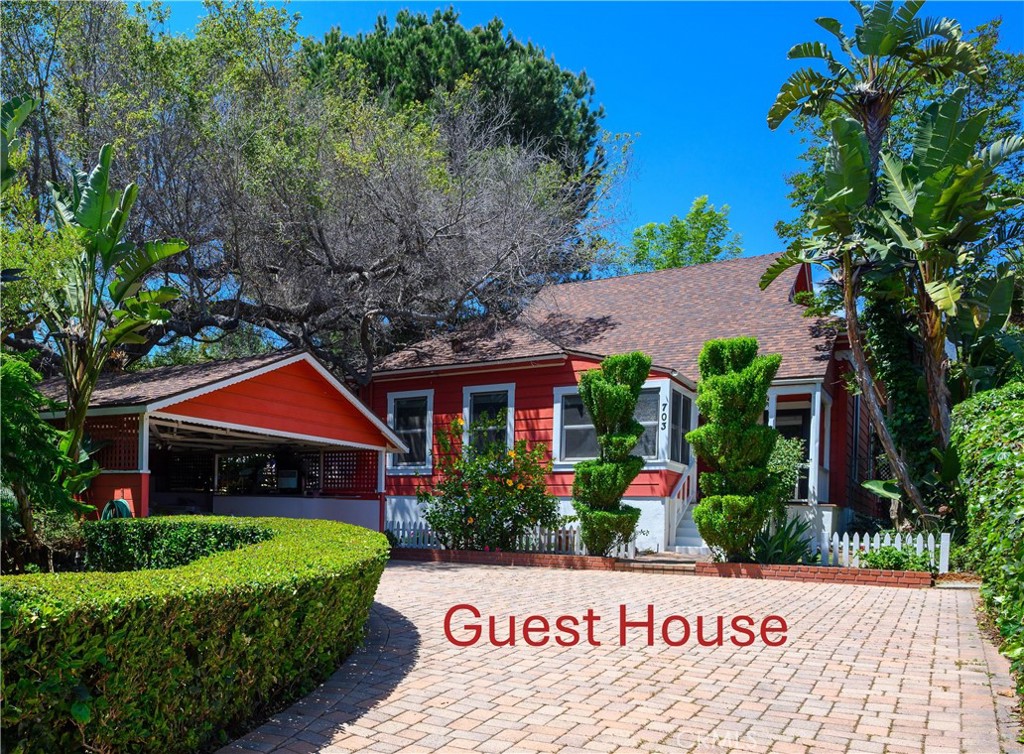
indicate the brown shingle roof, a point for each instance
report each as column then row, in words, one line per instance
column 668, row 314
column 149, row 385
column 472, row 345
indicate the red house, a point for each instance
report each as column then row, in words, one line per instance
column 271, row 435
column 531, row 370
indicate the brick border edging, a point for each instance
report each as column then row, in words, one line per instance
column 818, row 574
column 477, row 557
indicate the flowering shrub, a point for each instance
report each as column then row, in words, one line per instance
column 487, row 498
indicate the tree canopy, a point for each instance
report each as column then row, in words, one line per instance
column 318, row 208
column 703, row 235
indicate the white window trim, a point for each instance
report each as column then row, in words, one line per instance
column 661, row 461
column 506, row 387
column 393, row 467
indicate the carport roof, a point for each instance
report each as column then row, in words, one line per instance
column 158, row 384
column 241, row 394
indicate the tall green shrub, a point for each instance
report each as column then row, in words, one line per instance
column 610, row 395
column 739, row 490
column 988, row 434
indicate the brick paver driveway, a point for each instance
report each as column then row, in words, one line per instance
column 865, row 669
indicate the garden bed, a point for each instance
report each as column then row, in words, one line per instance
column 819, row 574
column 478, row 557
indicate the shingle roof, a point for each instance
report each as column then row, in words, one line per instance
column 668, row 314
column 149, row 385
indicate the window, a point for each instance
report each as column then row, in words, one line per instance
column 410, row 414
column 577, row 439
column 488, row 415
column 679, row 448
column 647, row 414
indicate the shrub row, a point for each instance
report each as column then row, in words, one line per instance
column 134, row 544
column 988, row 431
column 176, row 660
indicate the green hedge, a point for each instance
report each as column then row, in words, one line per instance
column 988, row 431
column 134, row 544
column 179, row 659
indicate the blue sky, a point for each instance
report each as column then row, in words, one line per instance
column 692, row 80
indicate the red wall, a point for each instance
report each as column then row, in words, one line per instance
column 132, row 487
column 295, row 398
column 534, row 420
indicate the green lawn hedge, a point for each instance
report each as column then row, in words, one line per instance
column 988, row 431
column 175, row 660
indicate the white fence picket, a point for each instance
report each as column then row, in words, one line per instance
column 846, row 550
column 562, row 541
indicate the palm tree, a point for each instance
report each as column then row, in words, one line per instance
column 889, row 52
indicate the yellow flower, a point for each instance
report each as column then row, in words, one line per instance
column 509, row 482
column 511, row 454
column 520, row 486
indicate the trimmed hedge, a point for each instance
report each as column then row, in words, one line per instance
column 988, row 431
column 138, row 543
column 179, row 659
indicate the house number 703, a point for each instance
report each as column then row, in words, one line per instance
column 664, row 415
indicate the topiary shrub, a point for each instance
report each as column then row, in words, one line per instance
column 181, row 658
column 988, row 434
column 740, row 491
column 610, row 395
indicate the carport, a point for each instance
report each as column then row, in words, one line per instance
column 270, row 435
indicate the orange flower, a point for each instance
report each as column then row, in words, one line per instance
column 520, row 486
column 469, row 520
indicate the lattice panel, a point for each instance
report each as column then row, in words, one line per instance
column 310, row 470
column 189, row 472
column 350, row 471
column 119, row 436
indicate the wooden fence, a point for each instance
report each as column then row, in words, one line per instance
column 846, row 550
column 563, row 541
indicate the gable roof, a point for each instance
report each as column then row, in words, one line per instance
column 152, row 390
column 160, row 383
column 668, row 314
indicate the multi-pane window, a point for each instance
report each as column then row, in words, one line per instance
column 679, row 448
column 647, row 414
column 410, row 416
column 488, row 418
column 579, row 438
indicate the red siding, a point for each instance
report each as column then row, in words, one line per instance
column 295, row 399
column 533, row 421
column 131, row 487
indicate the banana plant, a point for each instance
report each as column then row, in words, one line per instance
column 845, row 245
column 104, row 301
column 938, row 215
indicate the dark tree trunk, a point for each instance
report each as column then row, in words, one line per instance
column 866, row 383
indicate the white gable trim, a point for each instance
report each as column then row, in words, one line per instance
column 268, row 432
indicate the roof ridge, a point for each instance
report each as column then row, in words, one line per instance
column 669, row 270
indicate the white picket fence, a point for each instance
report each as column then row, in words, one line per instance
column 563, row 541
column 846, row 550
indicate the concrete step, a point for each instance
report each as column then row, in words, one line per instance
column 690, row 549
column 657, row 566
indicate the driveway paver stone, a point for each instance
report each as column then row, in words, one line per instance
column 864, row 669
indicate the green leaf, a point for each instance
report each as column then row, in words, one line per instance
column 137, row 263
column 898, row 191
column 96, row 200
column 888, row 488
column 944, row 294
column 787, row 259
column 81, row 712
column 802, row 86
